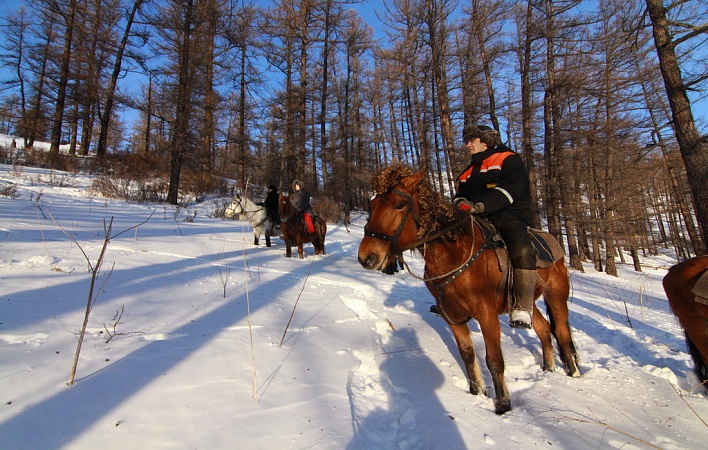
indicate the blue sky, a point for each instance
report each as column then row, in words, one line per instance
column 368, row 9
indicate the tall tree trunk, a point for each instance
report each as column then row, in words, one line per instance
column 181, row 127
column 105, row 118
column 210, row 96
column 242, row 141
column 148, row 116
column 325, row 84
column 694, row 149
column 550, row 132
column 527, row 115
column 486, row 66
column 63, row 81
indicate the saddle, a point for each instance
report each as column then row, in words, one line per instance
column 548, row 250
column 700, row 289
column 310, row 222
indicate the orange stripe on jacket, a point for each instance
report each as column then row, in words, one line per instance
column 494, row 162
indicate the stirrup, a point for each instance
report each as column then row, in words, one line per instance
column 520, row 318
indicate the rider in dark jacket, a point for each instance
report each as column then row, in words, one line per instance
column 496, row 185
column 300, row 199
column 271, row 203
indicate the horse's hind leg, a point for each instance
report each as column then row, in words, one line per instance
column 543, row 331
column 560, row 328
column 255, row 239
column 701, row 368
column 267, row 236
column 469, row 358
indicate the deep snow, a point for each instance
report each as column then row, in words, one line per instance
column 363, row 363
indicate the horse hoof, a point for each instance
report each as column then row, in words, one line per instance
column 502, row 406
column 476, row 390
column 574, row 374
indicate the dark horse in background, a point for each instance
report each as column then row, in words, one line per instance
column 295, row 231
column 686, row 286
column 462, row 273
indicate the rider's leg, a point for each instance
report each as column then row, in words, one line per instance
column 523, row 260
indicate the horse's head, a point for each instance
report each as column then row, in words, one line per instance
column 394, row 217
column 236, row 207
column 285, row 208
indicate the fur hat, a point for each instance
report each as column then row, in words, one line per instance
column 273, row 188
column 299, row 184
column 485, row 134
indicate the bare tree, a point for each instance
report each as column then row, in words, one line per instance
column 694, row 148
column 67, row 14
column 105, row 116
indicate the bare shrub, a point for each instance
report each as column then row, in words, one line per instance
column 201, row 184
column 8, row 190
column 328, row 209
column 136, row 190
column 133, row 177
column 59, row 179
column 220, row 209
column 6, row 156
column 134, row 166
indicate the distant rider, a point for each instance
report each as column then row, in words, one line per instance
column 300, row 199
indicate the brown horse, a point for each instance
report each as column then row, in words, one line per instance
column 294, row 229
column 462, row 273
column 691, row 309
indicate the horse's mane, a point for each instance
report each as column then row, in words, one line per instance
column 436, row 212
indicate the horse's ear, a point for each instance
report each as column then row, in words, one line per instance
column 414, row 180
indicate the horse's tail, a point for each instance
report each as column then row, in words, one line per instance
column 701, row 367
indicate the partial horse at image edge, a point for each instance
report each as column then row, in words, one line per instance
column 462, row 273
column 691, row 309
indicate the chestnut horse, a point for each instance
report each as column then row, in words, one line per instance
column 691, row 309
column 462, row 273
column 294, row 232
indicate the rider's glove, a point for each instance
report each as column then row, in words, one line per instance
column 465, row 205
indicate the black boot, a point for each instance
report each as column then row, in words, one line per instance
column 524, row 297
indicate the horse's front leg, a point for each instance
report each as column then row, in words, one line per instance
column 489, row 324
column 267, row 236
column 288, row 244
column 300, row 251
column 469, row 358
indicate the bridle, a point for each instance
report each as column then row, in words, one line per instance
column 395, row 249
column 237, row 199
column 439, row 281
column 394, row 237
column 291, row 212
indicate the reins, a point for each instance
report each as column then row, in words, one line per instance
column 468, row 262
column 453, row 274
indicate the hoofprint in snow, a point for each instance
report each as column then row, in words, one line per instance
column 184, row 345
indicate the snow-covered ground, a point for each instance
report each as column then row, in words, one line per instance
column 184, row 350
